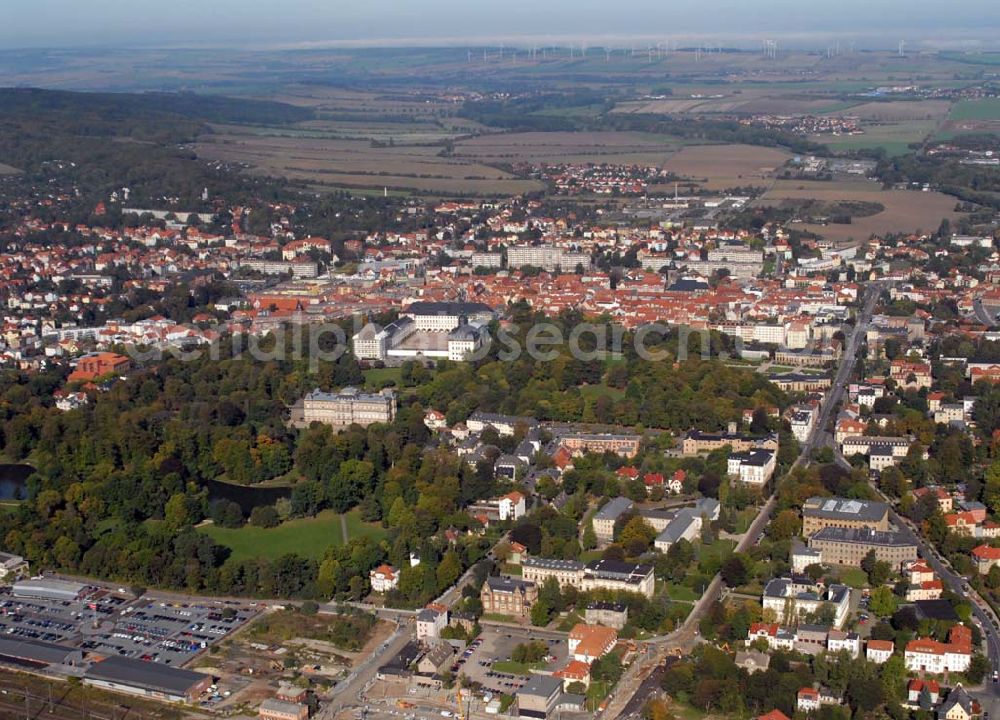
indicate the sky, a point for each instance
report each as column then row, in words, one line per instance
column 288, row 23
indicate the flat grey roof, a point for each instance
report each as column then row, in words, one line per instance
column 836, row 508
column 37, row 651
column 861, row 536
column 146, row 675
column 541, row 686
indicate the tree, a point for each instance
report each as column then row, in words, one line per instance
column 784, row 526
column 656, row 709
column 449, row 570
column 878, row 571
column 264, row 516
column 636, row 536
column 589, row 536
column 883, row 602
column 864, row 694
column 607, row 669
column 815, row 571
column 978, row 667
column 734, row 570
column 541, row 614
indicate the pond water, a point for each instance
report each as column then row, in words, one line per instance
column 13, row 478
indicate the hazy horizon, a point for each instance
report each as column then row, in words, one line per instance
column 314, row 23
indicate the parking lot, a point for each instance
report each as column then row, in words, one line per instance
column 496, row 646
column 105, row 622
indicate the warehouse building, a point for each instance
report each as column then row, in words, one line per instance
column 146, row 679
column 37, row 653
column 49, row 589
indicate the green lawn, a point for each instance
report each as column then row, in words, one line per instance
column 378, row 378
column 308, row 537
column 681, row 593
column 744, row 519
column 894, row 137
column 984, row 109
column 721, row 549
column 853, row 577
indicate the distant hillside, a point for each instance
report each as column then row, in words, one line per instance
column 134, row 108
column 104, row 141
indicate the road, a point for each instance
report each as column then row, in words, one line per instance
column 687, row 636
column 982, row 315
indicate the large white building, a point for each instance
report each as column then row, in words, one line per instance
column 792, row 601
column 452, row 330
column 597, row 575
column 754, row 467
column 931, row 656
column 349, row 407
column 547, row 257
column 803, row 419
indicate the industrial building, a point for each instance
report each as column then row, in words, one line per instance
column 49, row 589
column 152, row 680
column 37, row 653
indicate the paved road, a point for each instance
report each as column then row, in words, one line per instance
column 982, row 315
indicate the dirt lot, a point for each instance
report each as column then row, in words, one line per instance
column 905, row 210
column 723, row 166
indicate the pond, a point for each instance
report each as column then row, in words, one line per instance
column 13, row 478
column 246, row 496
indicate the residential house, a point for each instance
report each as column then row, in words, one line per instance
column 384, row 578
column 878, row 651
column 931, row 656
column 807, row 700
column 431, row 621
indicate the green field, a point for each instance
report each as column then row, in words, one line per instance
column 308, row 537
column 985, row 109
column 893, row 137
column 378, row 378
column 852, row 577
column 681, row 593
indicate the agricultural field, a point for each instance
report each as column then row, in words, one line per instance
column 717, row 167
column 898, row 110
column 905, row 210
column 569, row 147
column 985, row 109
column 359, row 164
column 308, row 537
column 894, row 137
